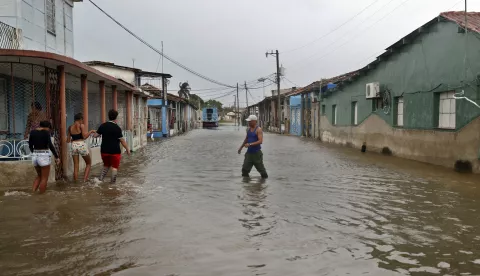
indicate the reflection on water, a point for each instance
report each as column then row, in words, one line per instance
column 181, row 208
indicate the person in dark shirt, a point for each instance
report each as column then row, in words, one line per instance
column 39, row 143
column 110, row 149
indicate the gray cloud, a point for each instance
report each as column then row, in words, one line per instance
column 227, row 40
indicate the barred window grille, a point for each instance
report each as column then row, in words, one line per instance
column 50, row 14
column 3, row 105
column 9, row 37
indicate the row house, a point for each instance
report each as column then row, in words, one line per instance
column 40, row 80
column 177, row 116
column 418, row 100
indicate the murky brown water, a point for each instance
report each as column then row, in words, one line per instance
column 181, row 208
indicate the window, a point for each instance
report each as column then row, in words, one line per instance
column 3, row 107
column 400, row 111
column 50, row 14
column 446, row 110
column 377, row 104
column 334, row 114
column 354, row 113
column 324, row 110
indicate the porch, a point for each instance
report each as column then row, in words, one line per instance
column 36, row 86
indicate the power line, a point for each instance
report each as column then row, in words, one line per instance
column 160, row 52
column 261, row 87
column 206, row 89
column 224, row 95
column 351, row 31
column 285, row 78
column 334, row 30
column 354, row 37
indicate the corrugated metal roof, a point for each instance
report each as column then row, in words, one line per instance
column 473, row 19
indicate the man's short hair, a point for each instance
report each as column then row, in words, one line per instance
column 112, row 114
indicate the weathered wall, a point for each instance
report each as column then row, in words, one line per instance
column 431, row 146
column 118, row 73
column 20, row 174
column 434, row 59
column 29, row 16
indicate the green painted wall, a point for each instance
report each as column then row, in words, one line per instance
column 434, row 59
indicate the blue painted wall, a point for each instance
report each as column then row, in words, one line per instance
column 156, row 103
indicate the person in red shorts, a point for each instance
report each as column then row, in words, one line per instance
column 110, row 149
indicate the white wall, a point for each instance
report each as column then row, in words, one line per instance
column 29, row 17
column 123, row 74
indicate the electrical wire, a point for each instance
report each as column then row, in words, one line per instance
column 261, row 87
column 344, row 35
column 354, row 37
column 285, row 78
column 332, row 31
column 160, row 52
column 224, row 95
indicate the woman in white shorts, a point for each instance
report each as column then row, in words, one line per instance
column 77, row 136
column 39, row 143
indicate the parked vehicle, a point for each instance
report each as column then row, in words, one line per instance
column 210, row 117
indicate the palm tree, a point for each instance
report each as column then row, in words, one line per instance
column 184, row 91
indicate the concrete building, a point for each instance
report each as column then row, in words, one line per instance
column 60, row 87
column 46, row 84
column 143, row 81
column 404, row 102
column 181, row 116
column 40, row 25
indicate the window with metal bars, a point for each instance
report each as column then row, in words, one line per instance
column 50, row 14
column 3, row 106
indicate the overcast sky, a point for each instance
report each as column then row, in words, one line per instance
column 226, row 40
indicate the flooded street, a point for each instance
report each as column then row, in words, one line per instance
column 181, row 207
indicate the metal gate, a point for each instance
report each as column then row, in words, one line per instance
column 295, row 126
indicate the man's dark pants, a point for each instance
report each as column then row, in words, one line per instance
column 254, row 159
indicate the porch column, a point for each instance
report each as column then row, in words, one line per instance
column 114, row 97
column 145, row 112
column 47, row 95
column 103, row 112
column 302, row 115
column 137, row 113
column 128, row 96
column 63, row 119
column 84, row 85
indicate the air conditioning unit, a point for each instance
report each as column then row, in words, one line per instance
column 372, row 90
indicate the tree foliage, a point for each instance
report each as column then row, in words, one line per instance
column 195, row 99
column 214, row 103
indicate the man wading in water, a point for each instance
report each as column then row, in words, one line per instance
column 254, row 155
column 110, row 150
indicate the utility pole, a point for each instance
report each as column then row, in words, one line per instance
column 162, row 57
column 235, row 110
column 246, row 97
column 238, row 109
column 164, row 102
column 279, row 119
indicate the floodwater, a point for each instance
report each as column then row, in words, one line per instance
column 181, row 208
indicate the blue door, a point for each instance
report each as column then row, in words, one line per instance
column 295, row 128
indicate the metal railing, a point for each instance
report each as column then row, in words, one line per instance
column 12, row 150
